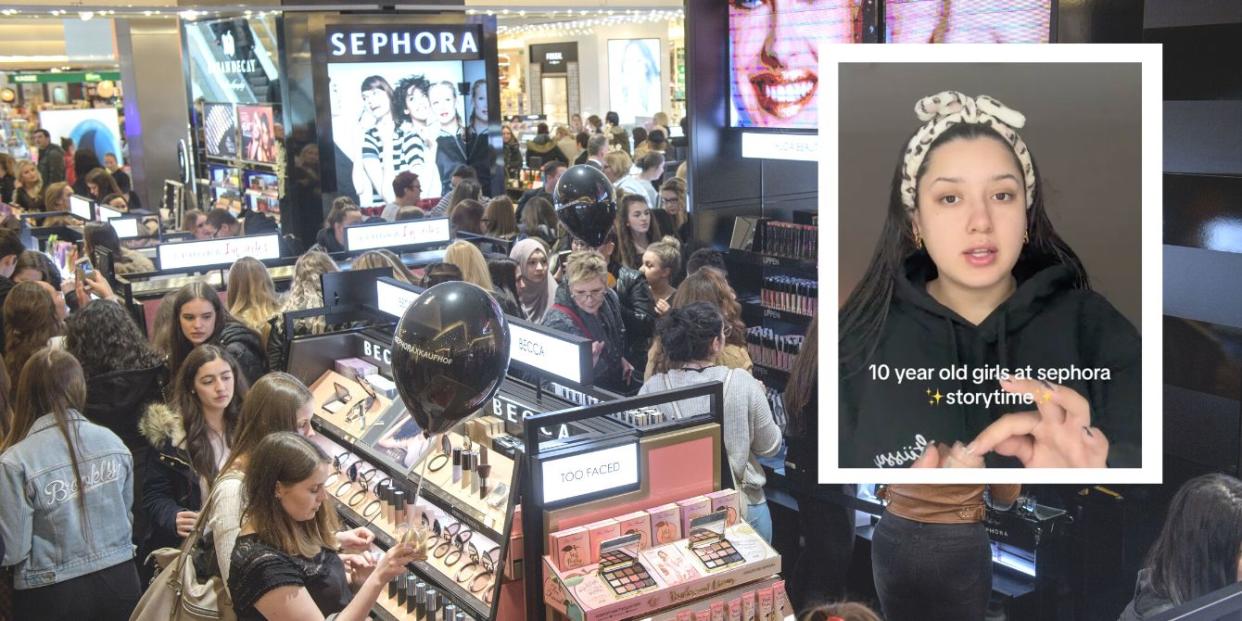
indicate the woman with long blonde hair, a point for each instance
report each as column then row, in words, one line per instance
column 467, row 257
column 252, row 295
column 306, row 292
column 29, row 193
column 373, row 259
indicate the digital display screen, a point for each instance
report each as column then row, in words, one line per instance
column 81, row 207
column 126, row 228
column 258, row 133
column 774, row 58
column 107, row 213
column 634, row 78
column 979, row 21
column 220, row 130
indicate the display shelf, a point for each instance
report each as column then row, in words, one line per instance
column 769, row 375
column 751, row 258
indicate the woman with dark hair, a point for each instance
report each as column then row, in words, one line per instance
column 827, row 528
column 30, row 322
column 539, row 221
column 640, row 142
column 437, row 273
column 513, row 153
column 693, row 337
column 416, row 133
column 1199, row 549
column 467, row 215
column 595, row 125
column 124, row 260
column 674, row 202
column 504, row 278
column 124, row 376
column 711, row 287
column 84, row 161
column 286, row 563
column 61, row 474
column 200, row 317
column 969, row 266
column 192, row 437
column 99, row 183
column 378, row 150
column 617, row 138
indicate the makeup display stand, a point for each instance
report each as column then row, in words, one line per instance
column 606, row 515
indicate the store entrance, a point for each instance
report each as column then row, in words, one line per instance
column 556, row 99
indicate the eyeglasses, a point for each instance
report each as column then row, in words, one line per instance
column 597, row 294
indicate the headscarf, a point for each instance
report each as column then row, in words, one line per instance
column 534, row 300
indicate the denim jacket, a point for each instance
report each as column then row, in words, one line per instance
column 41, row 521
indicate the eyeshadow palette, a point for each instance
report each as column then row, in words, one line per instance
column 620, row 568
column 708, row 542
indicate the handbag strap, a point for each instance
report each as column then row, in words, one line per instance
column 203, row 517
column 573, row 316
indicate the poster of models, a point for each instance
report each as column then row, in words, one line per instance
column 220, row 130
column 95, row 128
column 967, row 21
column 634, row 78
column 774, row 58
column 390, row 117
column 258, row 133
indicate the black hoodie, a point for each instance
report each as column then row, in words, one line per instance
column 1045, row 324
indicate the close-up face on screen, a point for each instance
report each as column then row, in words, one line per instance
column 774, row 61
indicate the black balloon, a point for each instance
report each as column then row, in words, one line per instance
column 586, row 203
column 450, row 353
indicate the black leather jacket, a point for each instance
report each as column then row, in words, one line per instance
column 638, row 312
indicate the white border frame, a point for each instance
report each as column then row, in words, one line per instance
column 1150, row 58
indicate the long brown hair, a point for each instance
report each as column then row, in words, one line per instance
column 286, row 458
column 500, row 219
column 626, row 252
column 374, row 259
column 708, row 286
column 6, row 411
column 103, row 181
column 51, row 382
column 802, row 380
column 186, row 402
column 271, row 405
column 29, row 322
column 178, row 345
column 53, row 197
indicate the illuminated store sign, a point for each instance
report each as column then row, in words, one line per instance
column 404, row 42
column 589, row 474
column 217, row 251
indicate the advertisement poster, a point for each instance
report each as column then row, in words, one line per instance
column 220, row 130
column 634, row 77
column 95, row 129
column 981, row 21
column 774, row 59
column 258, row 133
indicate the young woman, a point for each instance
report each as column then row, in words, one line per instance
column 200, row 317
column 56, row 198
column 417, row 132
column 124, row 376
column 969, row 266
column 252, row 295
column 195, row 222
column 373, row 259
column 99, row 183
column 29, row 193
column 191, row 437
column 539, row 221
column 467, row 216
column 437, row 273
column 661, row 261
column 8, row 178
column 469, row 258
column 34, row 266
column 635, row 230
column 378, row 150
column 276, row 403
column 711, row 287
column 1199, row 549
column 332, row 236
column 306, row 292
column 504, row 273
column 595, row 125
column 86, row 570
column 30, row 322
column 124, row 260
column 450, row 143
column 285, row 564
column 498, row 220
column 617, row 138
column 513, row 153
column 673, row 202
column 536, row 290
column 84, row 161
column 693, row 337
column 587, row 307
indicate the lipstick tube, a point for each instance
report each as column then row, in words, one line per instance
column 456, row 465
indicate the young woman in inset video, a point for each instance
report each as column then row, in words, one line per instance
column 969, row 272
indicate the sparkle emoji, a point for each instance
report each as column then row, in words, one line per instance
column 934, row 398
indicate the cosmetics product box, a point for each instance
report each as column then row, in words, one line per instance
column 735, row 609
column 638, row 522
column 765, row 603
column 692, row 508
column 718, row 611
column 382, row 385
column 570, row 548
column 665, row 524
column 685, row 615
column 748, row 606
column 780, row 601
column 599, row 532
column 727, row 500
column 354, row 368
column 703, row 615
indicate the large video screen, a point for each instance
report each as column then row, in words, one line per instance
column 405, row 98
column 634, row 78
column 774, row 58
column 258, row 133
column 220, row 130
column 95, row 128
column 970, row 21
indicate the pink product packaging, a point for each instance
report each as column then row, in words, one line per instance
column 780, row 601
column 665, row 524
column 570, row 548
column 726, row 499
column 765, row 604
column 354, row 368
column 692, row 508
column 599, row 532
column 637, row 522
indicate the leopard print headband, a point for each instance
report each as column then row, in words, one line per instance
column 948, row 108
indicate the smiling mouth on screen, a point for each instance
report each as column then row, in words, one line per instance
column 784, row 94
